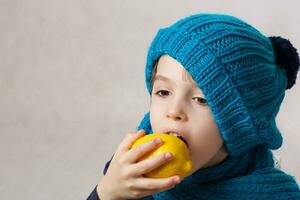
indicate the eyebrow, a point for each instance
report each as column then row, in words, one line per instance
column 165, row 79
column 161, row 78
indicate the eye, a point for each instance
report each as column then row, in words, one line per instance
column 162, row 93
column 200, row 100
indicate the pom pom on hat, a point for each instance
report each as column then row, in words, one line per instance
column 286, row 58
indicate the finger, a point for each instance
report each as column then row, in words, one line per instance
column 151, row 192
column 135, row 153
column 150, row 164
column 156, row 184
column 129, row 139
column 140, row 193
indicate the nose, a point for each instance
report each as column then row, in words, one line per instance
column 176, row 111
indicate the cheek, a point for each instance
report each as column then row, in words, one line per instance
column 205, row 128
column 155, row 115
column 206, row 142
column 157, row 106
column 208, row 138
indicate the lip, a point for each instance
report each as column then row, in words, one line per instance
column 178, row 135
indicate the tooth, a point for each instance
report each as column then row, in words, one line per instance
column 175, row 134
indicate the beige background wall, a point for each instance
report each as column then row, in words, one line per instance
column 72, row 85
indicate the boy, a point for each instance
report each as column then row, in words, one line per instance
column 217, row 82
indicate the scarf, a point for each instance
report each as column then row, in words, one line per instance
column 250, row 176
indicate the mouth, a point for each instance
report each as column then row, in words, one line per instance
column 179, row 136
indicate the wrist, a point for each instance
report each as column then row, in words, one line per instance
column 103, row 193
column 100, row 192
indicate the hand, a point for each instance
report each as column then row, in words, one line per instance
column 124, row 178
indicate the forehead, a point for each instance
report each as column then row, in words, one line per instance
column 171, row 68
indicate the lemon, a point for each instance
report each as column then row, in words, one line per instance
column 180, row 164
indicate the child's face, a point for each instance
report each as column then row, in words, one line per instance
column 178, row 105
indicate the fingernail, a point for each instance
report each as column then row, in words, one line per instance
column 176, row 180
column 157, row 141
column 168, row 155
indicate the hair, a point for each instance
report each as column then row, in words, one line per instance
column 185, row 75
column 153, row 75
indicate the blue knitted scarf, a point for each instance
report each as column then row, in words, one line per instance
column 249, row 176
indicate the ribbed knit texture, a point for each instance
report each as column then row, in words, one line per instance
column 234, row 66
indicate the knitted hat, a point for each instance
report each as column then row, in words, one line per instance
column 236, row 68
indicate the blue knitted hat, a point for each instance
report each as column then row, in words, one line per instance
column 236, row 68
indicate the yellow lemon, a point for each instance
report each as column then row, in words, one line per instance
column 181, row 163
